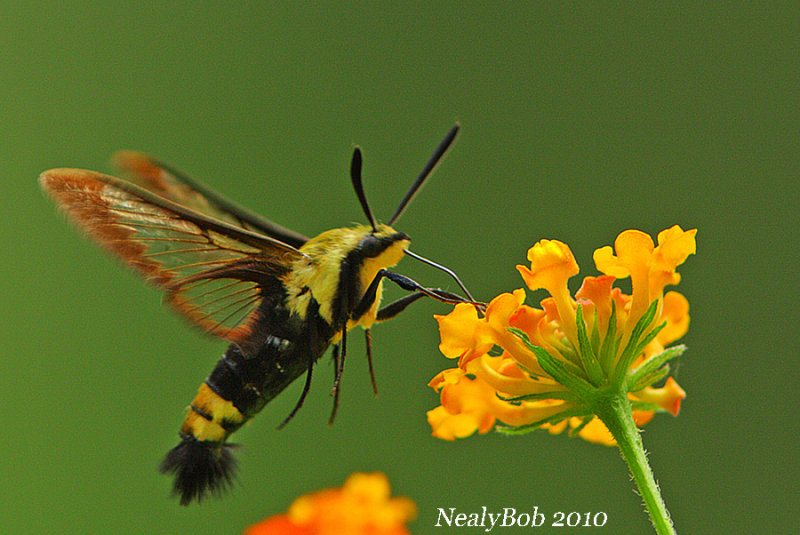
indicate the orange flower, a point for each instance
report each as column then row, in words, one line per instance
column 362, row 506
column 650, row 268
column 559, row 359
column 552, row 264
column 471, row 404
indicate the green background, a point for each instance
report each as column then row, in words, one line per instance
column 577, row 124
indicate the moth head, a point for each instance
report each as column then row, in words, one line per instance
column 385, row 243
column 382, row 240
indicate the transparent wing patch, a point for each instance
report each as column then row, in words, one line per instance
column 175, row 186
column 214, row 274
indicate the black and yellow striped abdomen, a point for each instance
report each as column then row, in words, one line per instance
column 240, row 385
column 236, row 390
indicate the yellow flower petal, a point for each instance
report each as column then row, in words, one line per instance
column 597, row 291
column 675, row 245
column 675, row 311
column 607, row 263
column 530, row 412
column 527, row 319
column 634, row 247
column 466, row 406
column 668, row 397
column 552, row 264
column 595, row 432
column 471, row 405
column 448, row 426
column 502, row 307
column 505, row 377
column 461, row 330
column 449, row 376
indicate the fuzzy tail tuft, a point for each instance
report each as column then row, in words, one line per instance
column 199, row 467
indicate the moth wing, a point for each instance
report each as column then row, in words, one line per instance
column 179, row 188
column 215, row 274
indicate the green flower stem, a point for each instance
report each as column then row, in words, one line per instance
column 615, row 411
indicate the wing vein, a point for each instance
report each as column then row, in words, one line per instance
column 247, row 303
column 181, row 251
column 218, row 299
column 204, row 282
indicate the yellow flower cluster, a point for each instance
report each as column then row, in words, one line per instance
column 532, row 367
column 363, row 506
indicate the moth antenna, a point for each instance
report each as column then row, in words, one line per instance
column 426, row 172
column 446, row 270
column 355, row 177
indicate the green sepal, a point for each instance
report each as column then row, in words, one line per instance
column 648, row 379
column 647, row 338
column 564, row 373
column 564, row 395
column 645, row 406
column 575, row 430
column 630, row 353
column 596, row 333
column 567, row 362
column 639, row 378
column 527, row 428
column 586, row 352
column 534, row 375
column 569, row 354
column 608, row 349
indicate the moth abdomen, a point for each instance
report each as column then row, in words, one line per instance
column 200, row 467
column 236, row 390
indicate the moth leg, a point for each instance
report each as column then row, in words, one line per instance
column 368, row 338
column 339, row 360
column 388, row 312
column 367, row 300
column 396, row 307
column 335, row 358
column 411, row 285
column 392, row 309
column 306, row 388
